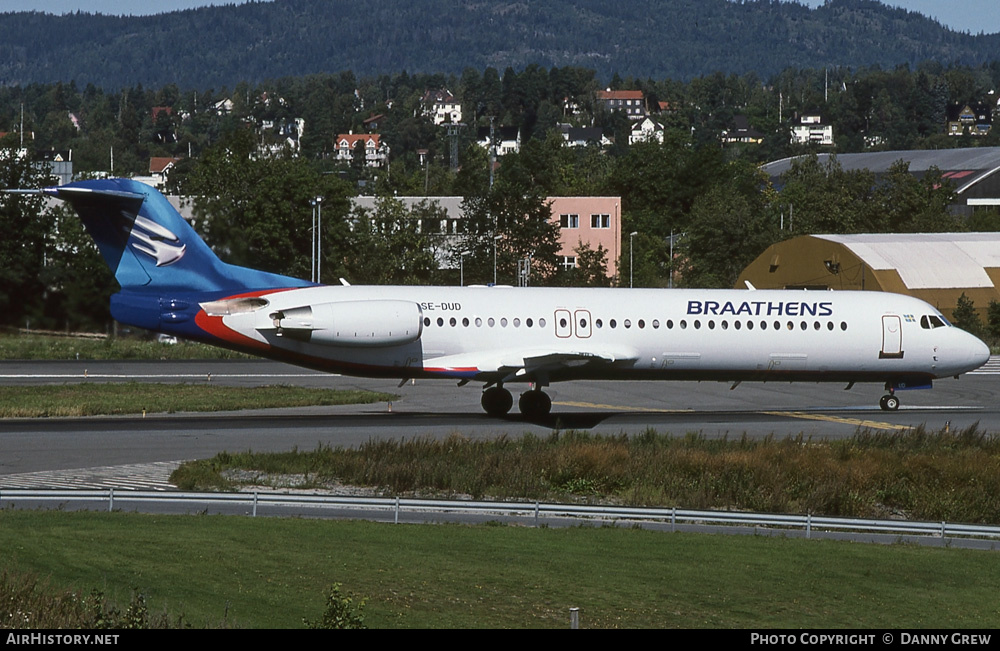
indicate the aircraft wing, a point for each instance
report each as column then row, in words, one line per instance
column 509, row 365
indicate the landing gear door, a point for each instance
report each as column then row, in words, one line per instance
column 892, row 337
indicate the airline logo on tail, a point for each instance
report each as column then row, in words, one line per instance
column 156, row 241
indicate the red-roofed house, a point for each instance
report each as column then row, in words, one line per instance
column 632, row 102
column 376, row 151
column 159, row 169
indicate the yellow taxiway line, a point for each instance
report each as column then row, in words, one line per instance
column 594, row 405
column 857, row 422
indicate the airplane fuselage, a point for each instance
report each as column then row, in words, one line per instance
column 486, row 333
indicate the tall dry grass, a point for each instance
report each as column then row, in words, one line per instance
column 27, row 602
column 916, row 474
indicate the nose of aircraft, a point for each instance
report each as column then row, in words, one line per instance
column 976, row 352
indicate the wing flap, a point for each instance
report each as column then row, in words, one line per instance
column 513, row 364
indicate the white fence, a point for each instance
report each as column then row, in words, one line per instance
column 340, row 506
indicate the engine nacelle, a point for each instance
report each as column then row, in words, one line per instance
column 351, row 323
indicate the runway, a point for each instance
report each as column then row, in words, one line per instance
column 85, row 451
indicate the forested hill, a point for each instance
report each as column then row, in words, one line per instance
column 680, row 39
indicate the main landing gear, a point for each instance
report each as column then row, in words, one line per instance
column 533, row 404
column 497, row 401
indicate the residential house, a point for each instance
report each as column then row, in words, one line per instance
column 809, row 129
column 223, row 107
column 631, row 102
column 372, row 121
column 646, row 130
column 584, row 136
column 57, row 163
column 277, row 136
column 972, row 119
column 441, row 106
column 506, row 139
column 742, row 132
column 376, row 150
column 159, row 170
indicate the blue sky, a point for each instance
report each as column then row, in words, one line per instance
column 963, row 15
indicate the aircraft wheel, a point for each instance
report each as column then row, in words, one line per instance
column 535, row 404
column 889, row 403
column 497, row 401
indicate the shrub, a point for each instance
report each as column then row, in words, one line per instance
column 341, row 612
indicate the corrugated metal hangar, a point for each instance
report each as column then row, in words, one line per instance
column 936, row 267
column 973, row 170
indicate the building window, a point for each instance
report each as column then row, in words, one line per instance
column 569, row 262
column 600, row 221
column 569, row 221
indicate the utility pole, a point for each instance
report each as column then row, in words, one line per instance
column 493, row 155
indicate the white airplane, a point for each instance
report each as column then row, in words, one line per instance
column 171, row 282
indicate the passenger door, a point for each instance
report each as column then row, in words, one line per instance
column 892, row 337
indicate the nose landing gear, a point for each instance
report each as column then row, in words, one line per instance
column 889, row 402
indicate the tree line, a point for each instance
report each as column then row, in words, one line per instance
column 681, row 39
column 711, row 201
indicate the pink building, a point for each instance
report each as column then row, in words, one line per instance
column 595, row 221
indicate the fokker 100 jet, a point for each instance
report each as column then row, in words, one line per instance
column 171, row 282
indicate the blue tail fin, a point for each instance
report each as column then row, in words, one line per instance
column 149, row 246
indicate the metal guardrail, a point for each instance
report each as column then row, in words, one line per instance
column 536, row 510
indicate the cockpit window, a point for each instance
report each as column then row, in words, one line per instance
column 931, row 321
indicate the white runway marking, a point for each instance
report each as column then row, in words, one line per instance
column 992, row 367
column 138, row 476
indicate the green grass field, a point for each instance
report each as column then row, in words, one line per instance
column 49, row 346
column 94, row 398
column 271, row 572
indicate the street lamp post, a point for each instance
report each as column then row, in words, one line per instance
column 317, row 247
column 630, row 266
column 312, row 245
column 673, row 239
column 461, row 267
column 496, row 238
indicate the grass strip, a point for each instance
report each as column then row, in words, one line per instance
column 94, row 399
column 271, row 572
column 921, row 475
column 50, row 347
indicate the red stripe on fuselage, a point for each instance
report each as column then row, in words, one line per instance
column 214, row 325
